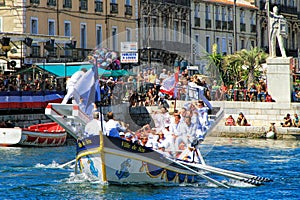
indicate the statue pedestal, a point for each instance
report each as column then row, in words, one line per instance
column 279, row 79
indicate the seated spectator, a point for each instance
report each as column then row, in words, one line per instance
column 230, row 121
column 122, row 135
column 296, row 121
column 252, row 92
column 128, row 137
column 262, row 90
column 230, row 93
column 241, row 120
column 287, row 121
column 269, row 98
column 143, row 140
column 296, row 95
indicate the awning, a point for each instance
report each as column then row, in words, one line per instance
column 66, row 70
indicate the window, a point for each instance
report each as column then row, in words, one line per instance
column 207, row 47
column 207, row 12
column 175, row 35
column 2, row 2
column 83, row 5
column 98, row 6
column 51, row 27
column 114, row 34
column 127, row 2
column 67, row 28
column 218, row 44
column 165, row 24
column 252, row 18
column 217, row 12
column 34, row 26
column 184, row 32
column 242, row 44
column 51, row 3
column 154, row 32
column 197, row 10
column 252, row 43
column 230, row 14
column 83, row 36
column 113, row 1
column 224, row 14
column 128, row 34
column 98, row 36
column 242, row 17
column 145, row 28
column 224, row 46
column 67, row 4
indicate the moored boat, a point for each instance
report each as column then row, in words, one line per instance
column 39, row 135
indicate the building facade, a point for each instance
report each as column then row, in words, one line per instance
column 65, row 30
column 230, row 25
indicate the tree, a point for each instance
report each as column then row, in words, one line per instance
column 251, row 60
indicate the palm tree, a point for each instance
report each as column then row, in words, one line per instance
column 251, row 60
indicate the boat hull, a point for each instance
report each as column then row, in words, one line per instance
column 117, row 161
column 10, row 136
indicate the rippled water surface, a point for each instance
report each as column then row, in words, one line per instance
column 33, row 173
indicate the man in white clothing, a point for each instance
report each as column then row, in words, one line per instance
column 70, row 87
column 113, row 127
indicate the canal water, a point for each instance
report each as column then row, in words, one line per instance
column 34, row 173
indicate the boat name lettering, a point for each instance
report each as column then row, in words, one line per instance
column 134, row 147
column 84, row 143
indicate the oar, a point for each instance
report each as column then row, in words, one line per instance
column 248, row 176
column 219, row 172
column 66, row 164
column 199, row 174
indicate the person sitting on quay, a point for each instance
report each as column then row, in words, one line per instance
column 241, row 120
column 287, row 121
column 230, row 121
column 296, row 121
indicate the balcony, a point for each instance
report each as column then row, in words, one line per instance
column 83, row 5
column 197, row 21
column 230, row 25
column 208, row 23
column 51, row 3
column 253, row 28
column 218, row 24
column 224, row 25
column 98, row 6
column 242, row 27
column 114, row 8
column 186, row 3
column 128, row 10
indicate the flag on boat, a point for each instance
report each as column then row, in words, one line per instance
column 169, row 85
column 88, row 89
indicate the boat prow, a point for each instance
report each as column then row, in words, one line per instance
column 10, row 136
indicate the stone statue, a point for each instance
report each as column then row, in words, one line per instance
column 278, row 30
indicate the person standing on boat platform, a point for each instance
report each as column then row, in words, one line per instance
column 70, row 86
column 113, row 127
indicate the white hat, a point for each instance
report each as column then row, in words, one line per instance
column 160, row 145
column 167, row 125
column 128, row 135
column 121, row 133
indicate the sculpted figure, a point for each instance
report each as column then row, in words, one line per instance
column 278, row 30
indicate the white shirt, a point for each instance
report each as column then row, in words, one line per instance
column 110, row 124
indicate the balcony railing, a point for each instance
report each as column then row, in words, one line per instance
column 98, row 6
column 230, row 25
column 114, row 8
column 242, row 27
column 67, row 4
column 128, row 10
column 253, row 28
column 224, row 25
column 197, row 21
column 218, row 24
column 178, row 2
column 208, row 23
column 51, row 3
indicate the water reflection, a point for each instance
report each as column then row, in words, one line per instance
column 258, row 143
